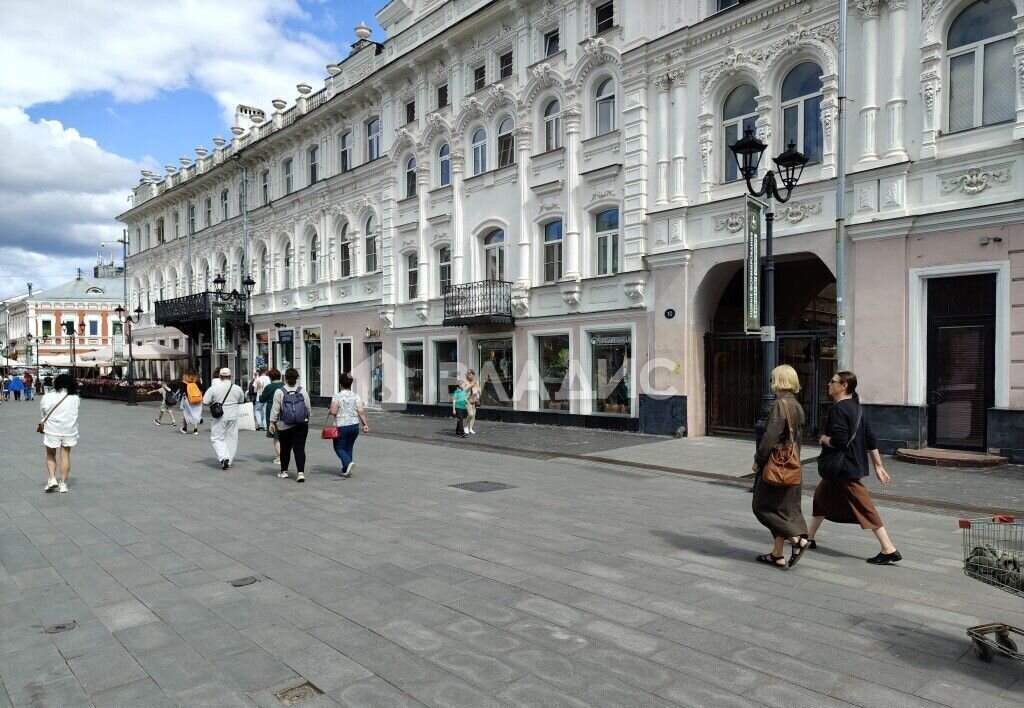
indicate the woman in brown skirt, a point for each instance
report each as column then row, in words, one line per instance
column 848, row 441
column 778, row 508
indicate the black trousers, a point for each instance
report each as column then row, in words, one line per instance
column 460, row 415
column 294, row 440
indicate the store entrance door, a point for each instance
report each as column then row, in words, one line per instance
column 375, row 361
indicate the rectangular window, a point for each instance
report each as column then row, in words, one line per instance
column 265, row 186
column 997, row 100
column 207, row 209
column 551, row 43
column 373, row 140
column 553, row 251
column 610, row 356
column 311, row 351
column 446, row 370
column 346, row 152
column 604, row 16
column 371, row 254
column 412, row 359
column 177, row 223
column 444, row 269
column 191, row 218
column 442, row 96
column 553, row 366
column 724, row 4
column 505, row 65
column 314, row 156
column 412, row 277
column 288, row 176
column 224, row 214
column 47, row 327
column 175, row 343
column 410, row 112
column 607, row 229
column 495, row 372
column 479, row 77
column 149, row 242
column 94, row 328
column 506, row 150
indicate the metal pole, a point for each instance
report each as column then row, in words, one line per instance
column 842, row 356
column 768, row 350
column 131, row 375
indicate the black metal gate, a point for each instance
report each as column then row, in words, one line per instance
column 733, row 378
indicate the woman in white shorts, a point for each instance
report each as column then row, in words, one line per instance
column 60, row 429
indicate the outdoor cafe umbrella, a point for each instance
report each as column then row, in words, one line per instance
column 143, row 352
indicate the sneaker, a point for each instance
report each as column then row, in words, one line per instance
column 277, row 460
column 349, row 469
column 282, row 475
column 51, row 484
column 196, row 431
column 62, row 487
column 885, row 558
column 223, row 464
column 471, row 431
column 300, row 477
column 156, row 422
column 230, row 464
column 184, row 431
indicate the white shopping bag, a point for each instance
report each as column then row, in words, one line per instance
column 246, row 418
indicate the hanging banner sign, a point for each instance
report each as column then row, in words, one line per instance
column 220, row 334
column 752, row 266
column 118, row 329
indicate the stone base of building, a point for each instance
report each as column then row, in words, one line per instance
column 906, row 426
column 1006, row 433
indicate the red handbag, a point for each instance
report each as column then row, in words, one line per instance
column 329, row 432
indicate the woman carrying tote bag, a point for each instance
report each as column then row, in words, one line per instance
column 776, row 502
column 848, row 441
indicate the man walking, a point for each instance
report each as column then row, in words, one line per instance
column 259, row 409
column 224, row 399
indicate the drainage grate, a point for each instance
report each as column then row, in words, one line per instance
column 297, row 694
column 58, row 628
column 242, row 582
column 483, row 486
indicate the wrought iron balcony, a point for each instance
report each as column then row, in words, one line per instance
column 482, row 302
column 197, row 307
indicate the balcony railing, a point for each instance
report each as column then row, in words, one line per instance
column 482, row 302
column 194, row 308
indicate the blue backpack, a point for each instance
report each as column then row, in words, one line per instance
column 293, row 407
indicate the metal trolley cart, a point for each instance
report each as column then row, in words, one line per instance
column 994, row 554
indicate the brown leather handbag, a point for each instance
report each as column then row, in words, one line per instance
column 783, row 466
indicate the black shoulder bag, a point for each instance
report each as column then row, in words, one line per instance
column 217, row 407
column 830, row 461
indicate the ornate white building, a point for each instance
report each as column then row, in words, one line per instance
column 541, row 190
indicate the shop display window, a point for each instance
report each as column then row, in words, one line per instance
column 610, row 356
column 495, row 372
column 554, row 364
column 412, row 359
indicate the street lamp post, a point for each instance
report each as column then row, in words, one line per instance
column 239, row 299
column 69, row 330
column 28, row 351
column 790, row 164
column 127, row 321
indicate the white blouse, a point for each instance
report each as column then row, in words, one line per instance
column 63, row 420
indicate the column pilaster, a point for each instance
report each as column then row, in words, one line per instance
column 457, row 157
column 571, row 119
column 897, row 102
column 678, row 137
column 662, row 84
column 524, row 135
column 868, row 10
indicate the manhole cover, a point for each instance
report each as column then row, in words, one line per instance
column 297, row 694
column 62, row 627
column 482, row 486
column 242, row 582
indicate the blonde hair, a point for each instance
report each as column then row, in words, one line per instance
column 784, row 378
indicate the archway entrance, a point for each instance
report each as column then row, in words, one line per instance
column 805, row 321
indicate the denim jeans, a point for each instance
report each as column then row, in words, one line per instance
column 347, row 435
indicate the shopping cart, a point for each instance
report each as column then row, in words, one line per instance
column 994, row 554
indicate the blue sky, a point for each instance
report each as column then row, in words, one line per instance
column 96, row 91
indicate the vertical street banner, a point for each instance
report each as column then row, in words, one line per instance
column 752, row 266
column 220, row 334
column 118, row 330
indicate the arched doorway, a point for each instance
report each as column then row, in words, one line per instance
column 805, row 323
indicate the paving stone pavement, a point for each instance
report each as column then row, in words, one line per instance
column 584, row 584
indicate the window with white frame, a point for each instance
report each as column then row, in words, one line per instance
column 224, row 204
column 479, row 77
column 801, row 110
column 289, row 258
column 442, row 96
column 286, row 170
column 980, row 45
column 410, row 112
column 553, row 125
column 412, row 275
column 606, row 232
column 264, row 261
column 410, row 177
column 494, row 255
column 373, row 140
column 265, row 187
column 370, row 239
column 94, row 328
column 604, row 15
column 604, row 106
column 479, row 151
column 506, row 144
column 313, row 157
column 207, row 211
column 444, row 269
column 552, row 43
column 149, row 242
column 314, row 258
column 191, row 218
column 505, row 65
column 177, row 223
column 553, row 251
column 739, row 114
column 444, row 165
column 344, row 253
column 345, row 152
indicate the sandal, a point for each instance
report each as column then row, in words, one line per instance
column 798, row 551
column 769, row 559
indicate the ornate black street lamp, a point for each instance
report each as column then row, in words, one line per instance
column 127, row 321
column 790, row 164
column 69, row 330
column 239, row 300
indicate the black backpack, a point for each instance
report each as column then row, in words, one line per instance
column 171, row 398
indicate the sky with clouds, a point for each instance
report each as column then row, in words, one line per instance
column 94, row 91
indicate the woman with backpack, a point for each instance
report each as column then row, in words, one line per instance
column 168, row 400
column 289, row 418
column 848, row 441
column 191, row 402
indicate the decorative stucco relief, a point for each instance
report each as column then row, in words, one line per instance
column 976, row 179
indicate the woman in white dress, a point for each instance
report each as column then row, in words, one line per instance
column 60, row 429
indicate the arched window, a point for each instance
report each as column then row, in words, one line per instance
column 444, row 165
column 412, row 275
column 222, row 268
column 345, row 254
column 606, row 229
column 553, row 125
column 373, row 139
column 444, row 269
column 506, row 145
column 345, row 152
column 801, row 110
column 739, row 114
column 410, row 177
column 981, row 77
column 553, row 251
column 289, row 257
column 371, row 246
column 264, row 271
column 494, row 255
column 314, row 258
column 479, row 151
column 224, row 213
column 604, row 106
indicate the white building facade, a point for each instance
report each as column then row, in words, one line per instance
column 559, row 169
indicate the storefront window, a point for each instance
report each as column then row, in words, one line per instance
column 495, row 372
column 553, row 359
column 610, row 355
column 311, row 360
column 446, row 369
column 284, row 352
column 412, row 358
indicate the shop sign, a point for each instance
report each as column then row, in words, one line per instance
column 752, row 266
column 220, row 334
column 611, row 340
column 262, row 337
column 285, row 336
